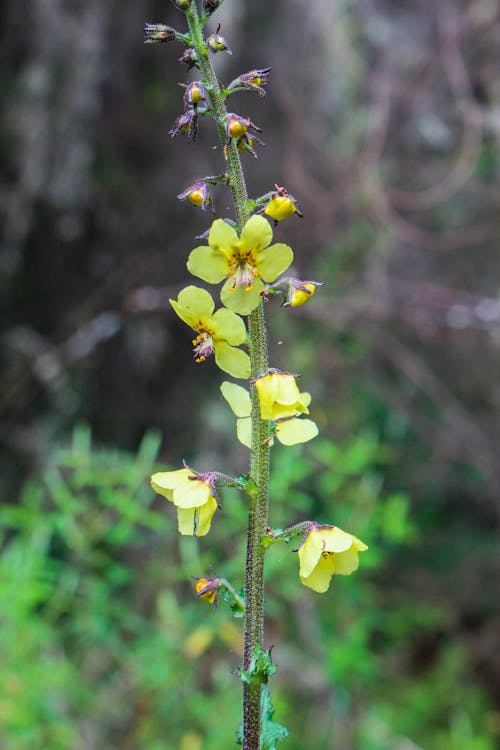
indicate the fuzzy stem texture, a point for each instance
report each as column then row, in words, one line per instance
column 259, row 458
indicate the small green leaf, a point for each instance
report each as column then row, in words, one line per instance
column 271, row 731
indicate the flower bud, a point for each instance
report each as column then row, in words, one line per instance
column 300, row 292
column 237, row 127
column 158, row 32
column 282, row 205
column 182, row 4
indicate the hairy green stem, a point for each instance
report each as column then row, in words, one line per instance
column 259, row 458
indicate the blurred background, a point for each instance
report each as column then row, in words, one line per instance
column 383, row 119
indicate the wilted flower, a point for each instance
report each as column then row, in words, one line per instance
column 327, row 551
column 217, row 43
column 197, row 194
column 282, row 205
column 290, row 430
column 237, row 126
column 193, row 495
column 189, row 57
column 208, row 589
column 196, row 97
column 254, row 80
column 185, row 123
column 218, row 333
column 245, row 261
column 158, row 32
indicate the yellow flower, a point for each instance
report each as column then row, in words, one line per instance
column 279, row 396
column 289, row 431
column 219, row 333
column 246, row 262
column 327, row 551
column 208, row 589
column 193, row 496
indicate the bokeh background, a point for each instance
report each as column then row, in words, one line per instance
column 383, row 118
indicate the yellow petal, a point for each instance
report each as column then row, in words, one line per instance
column 229, row 326
column 241, row 299
column 319, row 578
column 333, row 539
column 288, row 392
column 164, row 482
column 192, row 494
column 193, row 305
column 203, row 517
column 222, row 237
column 185, row 521
column 238, row 398
column 232, row 360
column 273, row 261
column 309, row 554
column 294, row 431
column 346, row 562
column 208, row 264
column 244, row 431
column 267, row 390
column 358, row 544
column 256, row 234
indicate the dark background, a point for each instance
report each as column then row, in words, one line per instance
column 383, row 119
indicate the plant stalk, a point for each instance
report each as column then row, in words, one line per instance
column 259, row 455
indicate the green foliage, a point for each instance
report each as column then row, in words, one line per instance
column 104, row 643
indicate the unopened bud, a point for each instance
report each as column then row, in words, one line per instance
column 158, row 32
column 300, row 292
column 182, row 4
column 189, row 57
column 196, row 97
column 282, row 205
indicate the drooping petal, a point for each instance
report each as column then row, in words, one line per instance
column 207, row 264
column 244, row 431
column 319, row 578
column 203, row 517
column 231, row 360
column 222, row 237
column 357, row 544
column 346, row 562
column 305, row 400
column 295, row 430
column 185, row 521
column 164, row 482
column 334, row 539
column 192, row 494
column 273, row 261
column 309, row 554
column 238, row 398
column 256, row 234
column 193, row 305
column 229, row 326
column 240, row 299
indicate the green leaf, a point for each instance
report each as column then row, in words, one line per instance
column 271, row 731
